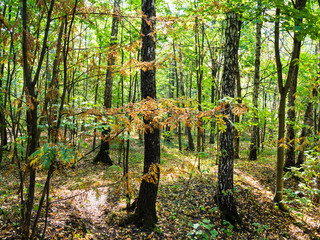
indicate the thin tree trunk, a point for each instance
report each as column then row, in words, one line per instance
column 283, row 90
column 255, row 96
column 65, row 74
column 31, row 119
column 214, row 71
column 3, row 134
column 239, row 99
column 31, row 123
column 188, row 128
column 291, row 114
column 263, row 134
column 104, row 152
column 95, row 102
column 177, row 91
column 306, row 130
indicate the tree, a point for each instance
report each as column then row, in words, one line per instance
column 283, row 90
column 255, row 95
column 224, row 198
column 103, row 154
column 239, row 99
column 32, row 111
column 145, row 213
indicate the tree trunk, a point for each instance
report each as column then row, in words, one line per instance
column 239, row 99
column 103, row 155
column 224, row 197
column 283, row 90
column 145, row 213
column 177, row 91
column 31, row 124
column 3, row 134
column 214, row 71
column 188, row 128
column 291, row 114
column 306, row 130
column 255, row 129
column 95, row 102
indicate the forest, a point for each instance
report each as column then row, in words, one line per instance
column 167, row 119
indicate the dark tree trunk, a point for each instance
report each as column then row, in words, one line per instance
column 255, row 129
column 65, row 74
column 188, row 128
column 177, row 91
column 145, row 213
column 31, row 124
column 3, row 134
column 95, row 102
column 239, row 99
column 103, row 155
column 291, row 114
column 306, row 130
column 225, row 199
column 32, row 116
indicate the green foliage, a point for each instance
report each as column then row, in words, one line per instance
column 51, row 153
column 260, row 228
column 228, row 229
column 203, row 230
column 308, row 174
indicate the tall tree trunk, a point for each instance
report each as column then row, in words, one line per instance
column 291, row 114
column 239, row 99
column 283, row 90
column 145, row 213
column 95, row 101
column 31, row 123
column 214, row 71
column 255, row 96
column 263, row 133
column 65, row 74
column 189, row 132
column 224, row 197
column 3, row 134
column 177, row 91
column 103, row 155
column 32, row 104
column 188, row 128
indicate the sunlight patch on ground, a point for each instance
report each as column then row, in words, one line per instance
column 258, row 188
column 297, row 233
column 92, row 203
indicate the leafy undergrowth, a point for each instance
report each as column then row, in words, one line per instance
column 87, row 201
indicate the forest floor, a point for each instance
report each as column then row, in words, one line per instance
column 87, row 201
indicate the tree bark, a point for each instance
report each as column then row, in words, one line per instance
column 256, row 82
column 224, row 197
column 32, row 116
column 31, row 123
column 177, row 92
column 306, row 130
column 239, row 99
column 3, row 134
column 103, row 155
column 145, row 213
column 291, row 114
